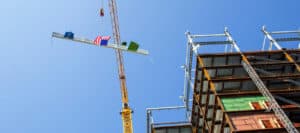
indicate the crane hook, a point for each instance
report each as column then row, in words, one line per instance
column 102, row 12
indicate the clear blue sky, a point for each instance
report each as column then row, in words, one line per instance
column 64, row 87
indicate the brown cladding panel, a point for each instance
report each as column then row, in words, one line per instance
column 254, row 121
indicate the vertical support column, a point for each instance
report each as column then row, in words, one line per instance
column 206, row 108
column 223, row 122
column 215, row 108
column 198, row 98
column 201, row 112
column 188, row 76
column 148, row 121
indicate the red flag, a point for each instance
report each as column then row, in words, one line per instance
column 97, row 40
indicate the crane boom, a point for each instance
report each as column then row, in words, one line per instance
column 126, row 110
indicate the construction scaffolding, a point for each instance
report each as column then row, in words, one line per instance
column 235, row 91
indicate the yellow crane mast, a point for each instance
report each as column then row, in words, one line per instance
column 126, row 110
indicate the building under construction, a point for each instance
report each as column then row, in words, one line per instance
column 237, row 91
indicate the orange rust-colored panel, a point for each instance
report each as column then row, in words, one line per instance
column 267, row 123
column 251, row 121
column 256, row 105
column 244, row 127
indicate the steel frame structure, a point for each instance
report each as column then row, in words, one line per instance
column 192, row 50
column 203, row 102
column 207, row 108
column 207, row 100
column 246, row 65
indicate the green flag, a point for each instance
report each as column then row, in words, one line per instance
column 133, row 46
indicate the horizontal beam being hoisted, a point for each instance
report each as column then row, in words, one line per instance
column 91, row 42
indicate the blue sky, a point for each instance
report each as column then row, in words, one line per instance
column 58, row 86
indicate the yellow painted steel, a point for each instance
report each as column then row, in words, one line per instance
column 290, row 59
column 212, row 86
column 127, row 120
column 153, row 131
column 194, row 130
column 126, row 111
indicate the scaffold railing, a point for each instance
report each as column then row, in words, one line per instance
column 275, row 42
column 152, row 124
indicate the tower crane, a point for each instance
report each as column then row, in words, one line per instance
column 126, row 112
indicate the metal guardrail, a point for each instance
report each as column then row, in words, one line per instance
column 150, row 120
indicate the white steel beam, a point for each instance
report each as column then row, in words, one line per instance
column 285, row 32
column 91, row 42
column 209, row 35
